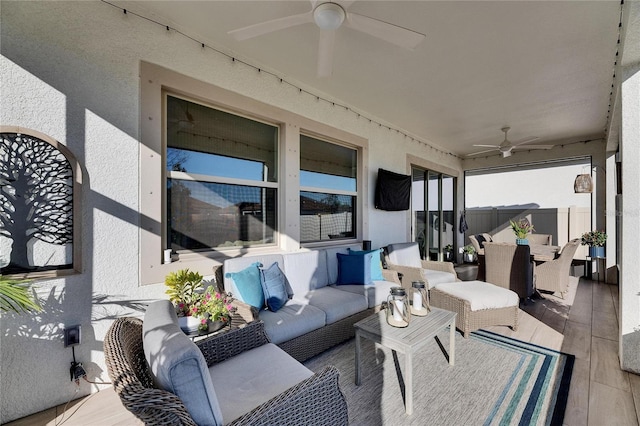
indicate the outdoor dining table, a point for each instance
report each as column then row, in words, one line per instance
column 543, row 252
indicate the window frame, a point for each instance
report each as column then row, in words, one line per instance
column 167, row 174
column 332, row 191
column 154, row 80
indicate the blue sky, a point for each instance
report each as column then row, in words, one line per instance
column 217, row 165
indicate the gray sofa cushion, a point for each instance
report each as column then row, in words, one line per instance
column 177, row 364
column 337, row 304
column 374, row 293
column 306, row 271
column 252, row 378
column 292, row 320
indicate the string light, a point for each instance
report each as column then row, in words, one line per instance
column 278, row 77
column 615, row 64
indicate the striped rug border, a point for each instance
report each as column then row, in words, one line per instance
column 551, row 356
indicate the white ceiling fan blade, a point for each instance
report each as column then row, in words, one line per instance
column 525, row 140
column 533, row 147
column 325, row 53
column 383, row 30
column 487, row 146
column 271, row 26
column 481, row 152
column 345, row 3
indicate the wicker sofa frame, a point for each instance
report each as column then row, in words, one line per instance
column 317, row 400
column 468, row 320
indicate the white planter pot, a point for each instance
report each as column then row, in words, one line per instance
column 188, row 324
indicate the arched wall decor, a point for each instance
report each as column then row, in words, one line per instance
column 40, row 192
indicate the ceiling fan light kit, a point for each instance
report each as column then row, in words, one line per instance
column 329, row 16
column 506, row 147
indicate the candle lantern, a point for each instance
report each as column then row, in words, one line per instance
column 398, row 310
column 419, row 299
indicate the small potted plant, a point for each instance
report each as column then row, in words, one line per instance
column 194, row 305
column 469, row 253
column 448, row 253
column 216, row 309
column 521, row 228
column 595, row 240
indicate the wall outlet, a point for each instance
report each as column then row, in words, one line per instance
column 71, row 336
column 77, row 371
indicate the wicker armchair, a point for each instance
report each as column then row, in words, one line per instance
column 316, row 400
column 554, row 275
column 509, row 266
column 404, row 258
column 543, row 239
column 477, row 245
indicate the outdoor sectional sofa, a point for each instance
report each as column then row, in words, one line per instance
column 322, row 305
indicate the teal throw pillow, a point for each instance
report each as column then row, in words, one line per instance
column 354, row 269
column 376, row 263
column 274, row 285
column 248, row 284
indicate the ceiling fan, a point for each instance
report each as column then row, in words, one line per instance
column 183, row 118
column 507, row 146
column 329, row 17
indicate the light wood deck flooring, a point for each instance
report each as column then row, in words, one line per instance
column 584, row 324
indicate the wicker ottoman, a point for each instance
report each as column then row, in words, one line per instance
column 478, row 304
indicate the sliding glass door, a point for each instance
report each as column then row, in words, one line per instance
column 433, row 213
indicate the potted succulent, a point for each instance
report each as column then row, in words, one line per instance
column 521, row 228
column 196, row 306
column 595, row 240
column 469, row 253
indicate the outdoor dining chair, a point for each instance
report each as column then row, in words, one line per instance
column 554, row 275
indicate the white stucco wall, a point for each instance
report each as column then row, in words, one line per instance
column 70, row 70
column 630, row 220
column 546, row 188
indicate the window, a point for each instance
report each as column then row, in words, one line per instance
column 433, row 199
column 328, row 190
column 39, row 233
column 222, row 174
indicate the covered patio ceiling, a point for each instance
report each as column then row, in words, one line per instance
column 543, row 68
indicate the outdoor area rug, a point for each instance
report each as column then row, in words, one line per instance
column 496, row 380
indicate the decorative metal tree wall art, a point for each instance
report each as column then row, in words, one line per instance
column 36, row 198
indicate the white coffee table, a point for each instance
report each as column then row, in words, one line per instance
column 406, row 340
